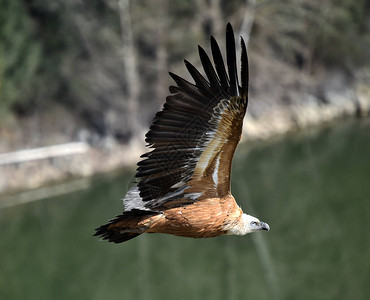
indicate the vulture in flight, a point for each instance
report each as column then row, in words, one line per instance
column 183, row 182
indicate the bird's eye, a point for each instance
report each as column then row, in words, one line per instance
column 254, row 223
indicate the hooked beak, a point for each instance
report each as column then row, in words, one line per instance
column 264, row 226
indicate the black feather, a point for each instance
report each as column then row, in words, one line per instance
column 189, row 88
column 219, row 64
column 200, row 81
column 231, row 60
column 209, row 70
column 244, row 70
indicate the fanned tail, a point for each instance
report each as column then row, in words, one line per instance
column 124, row 227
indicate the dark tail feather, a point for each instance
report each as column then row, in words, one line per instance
column 113, row 235
column 116, row 232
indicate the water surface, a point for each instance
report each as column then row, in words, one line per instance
column 312, row 188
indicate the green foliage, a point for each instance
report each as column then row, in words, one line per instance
column 333, row 33
column 20, row 55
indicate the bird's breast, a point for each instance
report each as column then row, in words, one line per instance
column 205, row 218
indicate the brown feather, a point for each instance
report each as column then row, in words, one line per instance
column 208, row 218
column 221, row 148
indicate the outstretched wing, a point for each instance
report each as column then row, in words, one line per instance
column 193, row 138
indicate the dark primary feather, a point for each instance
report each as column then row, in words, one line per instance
column 200, row 81
column 244, row 70
column 209, row 70
column 179, row 132
column 219, row 64
column 231, row 60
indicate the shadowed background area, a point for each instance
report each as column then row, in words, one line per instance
column 80, row 82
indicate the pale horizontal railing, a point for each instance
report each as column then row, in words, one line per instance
column 27, row 155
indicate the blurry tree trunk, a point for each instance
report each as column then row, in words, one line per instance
column 248, row 20
column 162, row 56
column 130, row 67
column 210, row 17
column 215, row 14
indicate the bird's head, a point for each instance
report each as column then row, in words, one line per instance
column 248, row 224
column 252, row 224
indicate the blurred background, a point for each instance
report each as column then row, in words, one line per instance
column 80, row 82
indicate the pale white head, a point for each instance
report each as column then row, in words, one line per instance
column 247, row 225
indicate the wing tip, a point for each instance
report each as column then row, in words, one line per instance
column 244, row 69
column 231, row 60
column 229, row 27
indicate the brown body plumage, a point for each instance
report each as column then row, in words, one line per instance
column 183, row 184
column 208, row 218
